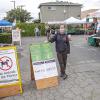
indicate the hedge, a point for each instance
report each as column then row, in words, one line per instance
column 28, row 28
column 6, row 38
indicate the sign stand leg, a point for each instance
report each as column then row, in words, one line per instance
column 31, row 68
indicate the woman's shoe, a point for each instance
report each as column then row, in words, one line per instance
column 61, row 75
column 65, row 76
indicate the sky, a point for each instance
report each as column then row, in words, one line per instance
column 32, row 5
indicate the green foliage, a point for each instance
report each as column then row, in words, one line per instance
column 37, row 21
column 28, row 28
column 75, row 29
column 5, row 38
column 54, row 26
column 42, row 29
column 21, row 15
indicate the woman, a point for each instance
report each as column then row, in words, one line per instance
column 62, row 48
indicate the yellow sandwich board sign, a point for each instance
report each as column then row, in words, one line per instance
column 10, row 80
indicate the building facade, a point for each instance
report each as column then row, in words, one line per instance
column 86, row 13
column 59, row 11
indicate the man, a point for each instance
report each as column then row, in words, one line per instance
column 62, row 48
column 48, row 32
column 37, row 31
column 98, row 29
column 94, row 25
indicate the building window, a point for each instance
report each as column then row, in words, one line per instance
column 51, row 8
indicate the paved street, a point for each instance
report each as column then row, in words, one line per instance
column 83, row 68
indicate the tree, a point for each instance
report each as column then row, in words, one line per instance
column 21, row 15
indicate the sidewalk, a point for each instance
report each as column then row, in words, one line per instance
column 83, row 69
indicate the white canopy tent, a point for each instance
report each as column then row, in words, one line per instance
column 5, row 26
column 56, row 22
column 83, row 21
column 72, row 20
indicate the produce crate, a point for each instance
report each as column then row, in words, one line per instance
column 91, row 41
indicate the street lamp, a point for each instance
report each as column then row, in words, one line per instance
column 13, row 3
column 14, row 21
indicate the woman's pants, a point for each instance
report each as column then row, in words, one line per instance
column 62, row 59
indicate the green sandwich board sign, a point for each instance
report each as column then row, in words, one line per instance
column 40, row 52
column 43, row 61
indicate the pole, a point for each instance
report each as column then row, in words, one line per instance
column 14, row 20
column 14, row 3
